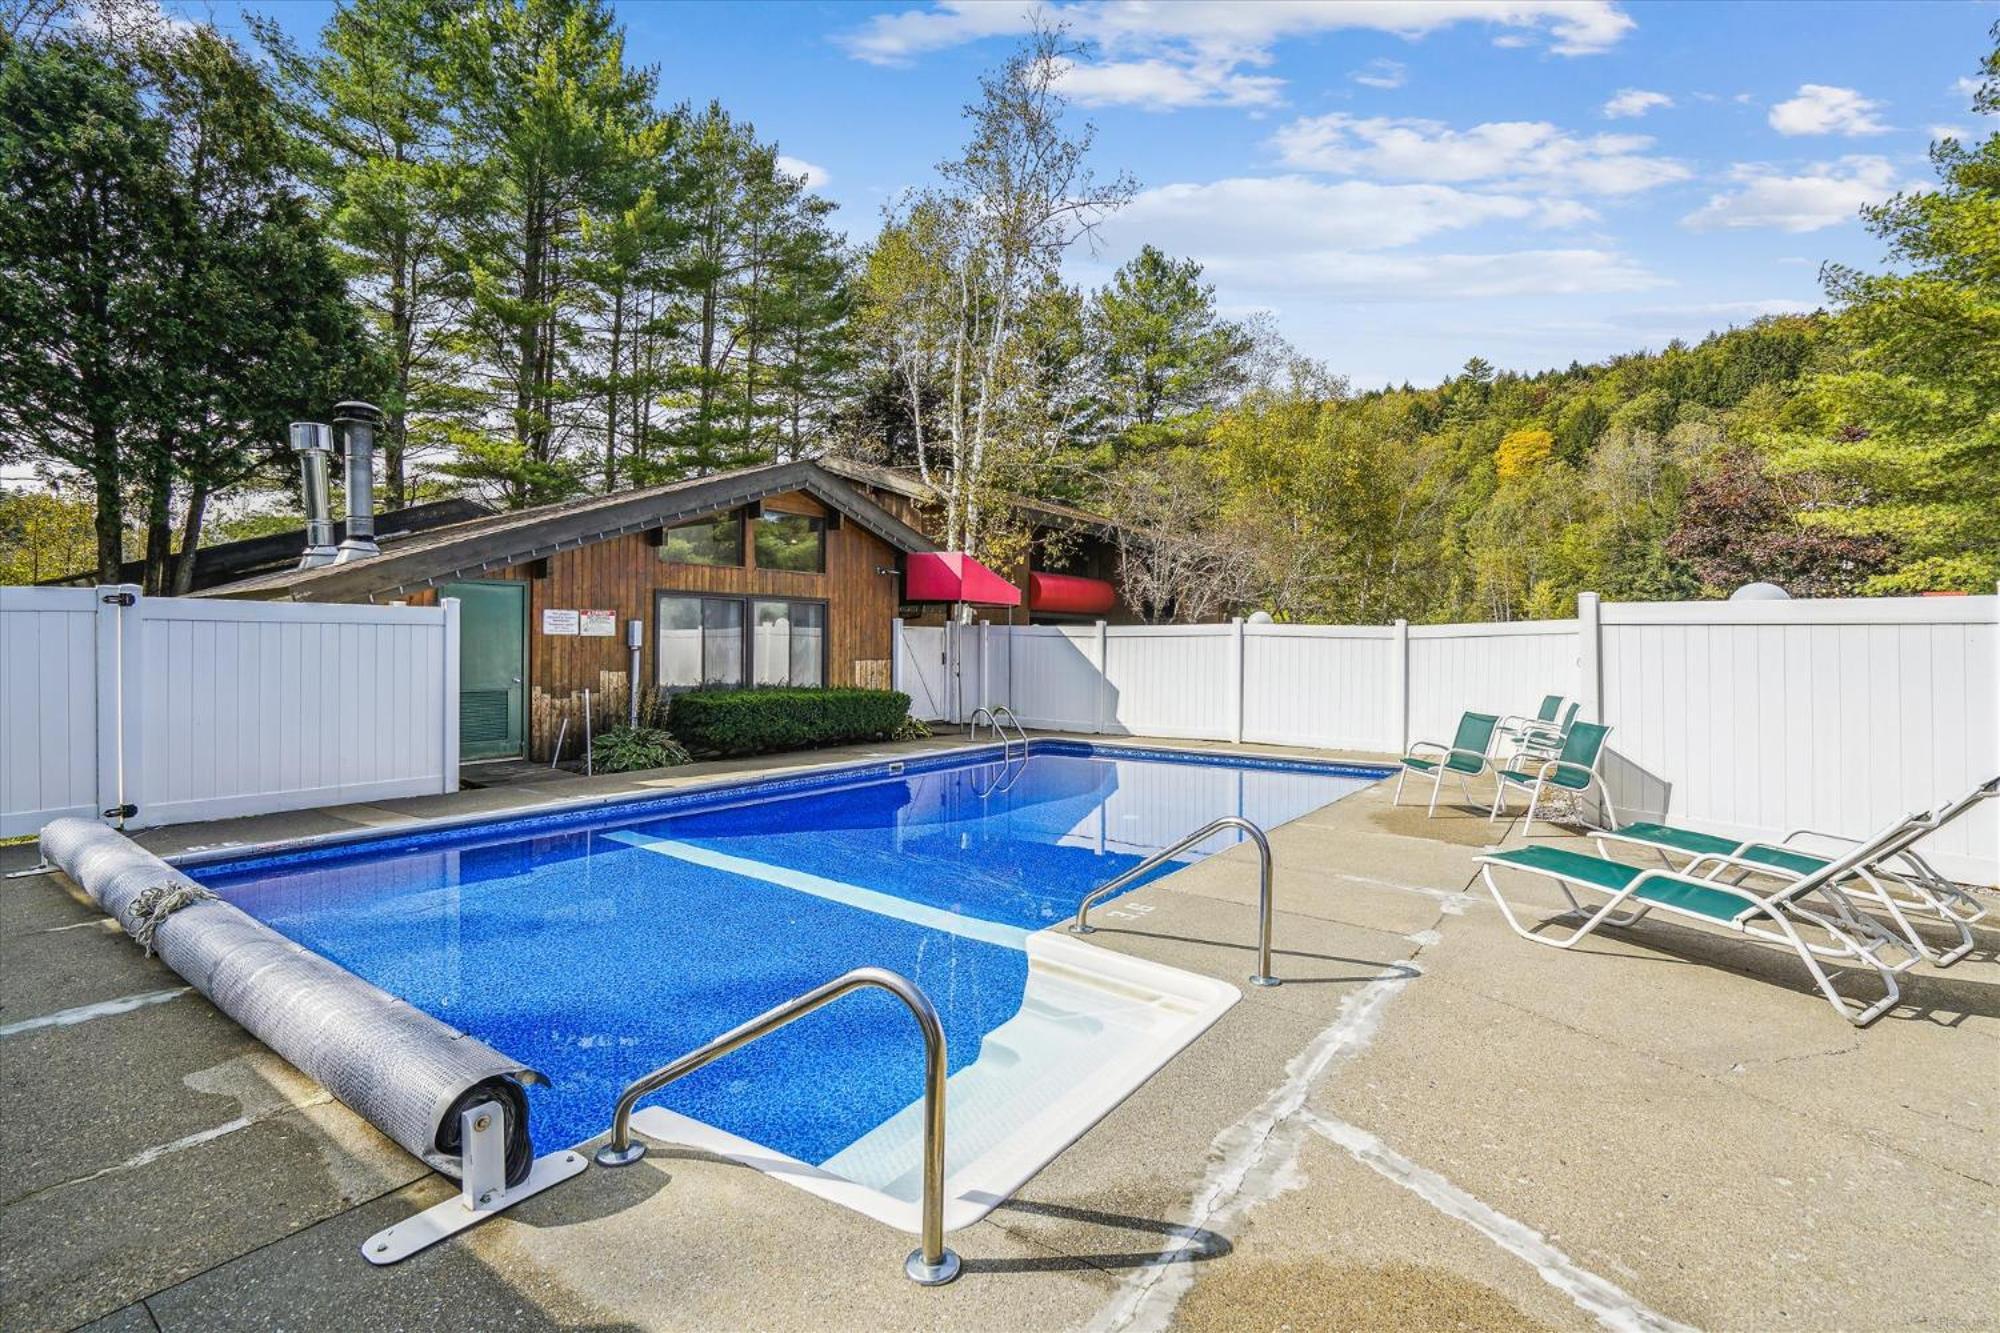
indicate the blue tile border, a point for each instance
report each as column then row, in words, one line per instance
column 474, row 830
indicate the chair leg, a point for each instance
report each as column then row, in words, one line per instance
column 1534, row 799
column 1397, row 799
column 1847, row 1009
column 1437, row 783
column 1499, row 796
column 1606, row 914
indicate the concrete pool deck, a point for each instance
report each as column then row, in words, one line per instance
column 1433, row 1124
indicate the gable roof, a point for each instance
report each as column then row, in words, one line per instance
column 466, row 550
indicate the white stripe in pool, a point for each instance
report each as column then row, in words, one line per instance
column 852, row 895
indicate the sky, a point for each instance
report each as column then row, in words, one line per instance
column 1402, row 184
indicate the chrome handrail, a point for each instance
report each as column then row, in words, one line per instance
column 992, row 716
column 931, row 1265
column 1263, row 977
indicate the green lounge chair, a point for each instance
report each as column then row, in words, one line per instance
column 1464, row 758
column 1896, row 879
column 1549, row 723
column 1696, row 893
column 1572, row 768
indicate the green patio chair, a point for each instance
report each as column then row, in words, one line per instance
column 1896, row 878
column 1466, row 757
column 1573, row 767
column 1831, row 928
column 1518, row 726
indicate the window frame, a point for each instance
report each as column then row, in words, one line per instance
column 747, row 602
column 743, row 540
column 755, row 557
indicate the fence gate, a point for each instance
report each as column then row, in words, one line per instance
column 923, row 670
column 163, row 710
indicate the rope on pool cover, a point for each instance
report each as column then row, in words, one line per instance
column 152, row 906
column 400, row 1069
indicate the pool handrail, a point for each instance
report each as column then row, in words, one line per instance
column 1263, row 977
column 993, row 716
column 930, row 1265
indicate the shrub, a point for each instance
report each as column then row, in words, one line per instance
column 734, row 722
column 629, row 749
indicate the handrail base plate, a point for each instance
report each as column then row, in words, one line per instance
column 931, row 1275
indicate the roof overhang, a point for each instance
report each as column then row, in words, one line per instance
column 497, row 545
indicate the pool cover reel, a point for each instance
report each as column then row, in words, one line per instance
column 405, row 1072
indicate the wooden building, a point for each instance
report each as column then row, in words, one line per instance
column 785, row 574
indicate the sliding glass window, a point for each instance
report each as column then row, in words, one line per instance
column 700, row 642
column 788, row 645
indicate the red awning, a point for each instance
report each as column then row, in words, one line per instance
column 1066, row 594
column 954, row 576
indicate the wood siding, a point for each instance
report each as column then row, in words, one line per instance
column 623, row 574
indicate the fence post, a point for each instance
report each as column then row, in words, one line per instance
column 896, row 667
column 985, row 662
column 448, row 779
column 1103, row 679
column 1236, row 678
column 1399, row 685
column 118, row 721
column 1590, row 656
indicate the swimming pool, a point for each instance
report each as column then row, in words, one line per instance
column 596, row 944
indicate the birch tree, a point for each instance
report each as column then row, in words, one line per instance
column 991, row 237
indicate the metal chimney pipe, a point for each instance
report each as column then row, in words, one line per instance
column 357, row 427
column 313, row 440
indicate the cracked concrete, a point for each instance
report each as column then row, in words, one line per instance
column 1433, row 1124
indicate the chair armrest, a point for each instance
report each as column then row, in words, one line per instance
column 1448, row 750
column 1813, row 833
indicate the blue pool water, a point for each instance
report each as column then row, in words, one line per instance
column 598, row 944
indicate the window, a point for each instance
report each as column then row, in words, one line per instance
column 791, row 541
column 788, row 645
column 700, row 642
column 714, row 540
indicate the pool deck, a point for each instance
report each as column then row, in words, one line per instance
column 1433, row 1124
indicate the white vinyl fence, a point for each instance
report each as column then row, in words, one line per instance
column 185, row 708
column 1741, row 718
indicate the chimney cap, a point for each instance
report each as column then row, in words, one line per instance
column 355, row 410
column 311, row 435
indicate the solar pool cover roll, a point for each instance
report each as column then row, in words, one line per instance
column 405, row 1072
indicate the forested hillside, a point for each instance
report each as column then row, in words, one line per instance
column 557, row 278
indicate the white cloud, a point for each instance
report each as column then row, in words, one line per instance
column 1634, row 102
column 1213, row 42
column 1528, row 152
column 1964, row 86
column 1163, row 85
column 1823, row 195
column 1279, row 240
column 1382, row 73
column 816, row 176
column 1958, row 132
column 1296, row 213
column 1821, row 108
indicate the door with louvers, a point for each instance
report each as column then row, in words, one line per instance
column 492, row 657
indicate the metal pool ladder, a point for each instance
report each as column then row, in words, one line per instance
column 994, row 717
column 1263, row 977
column 932, row 1264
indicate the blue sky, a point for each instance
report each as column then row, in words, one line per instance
column 1402, row 184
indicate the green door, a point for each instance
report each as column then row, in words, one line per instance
column 492, row 654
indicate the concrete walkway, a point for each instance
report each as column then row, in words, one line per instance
column 1433, row 1124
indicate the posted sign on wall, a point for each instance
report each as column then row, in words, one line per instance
column 560, row 622
column 599, row 624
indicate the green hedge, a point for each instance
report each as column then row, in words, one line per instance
column 733, row 722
